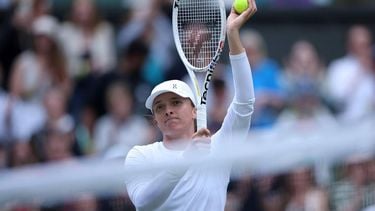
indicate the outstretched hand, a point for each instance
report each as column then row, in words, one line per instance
column 235, row 21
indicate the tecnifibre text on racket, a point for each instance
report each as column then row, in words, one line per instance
column 199, row 36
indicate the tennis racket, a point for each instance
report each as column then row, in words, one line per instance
column 199, row 36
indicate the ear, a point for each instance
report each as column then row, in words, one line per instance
column 194, row 111
column 154, row 122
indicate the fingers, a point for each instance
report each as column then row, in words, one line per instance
column 200, row 145
column 201, row 133
column 235, row 21
column 253, row 7
column 250, row 11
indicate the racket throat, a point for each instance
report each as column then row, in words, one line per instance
column 206, row 85
column 208, row 78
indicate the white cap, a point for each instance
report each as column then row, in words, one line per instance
column 45, row 25
column 176, row 86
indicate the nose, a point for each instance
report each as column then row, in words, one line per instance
column 168, row 111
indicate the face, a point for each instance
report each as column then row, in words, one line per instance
column 57, row 146
column 304, row 59
column 43, row 43
column 360, row 41
column 300, row 179
column 54, row 103
column 84, row 11
column 120, row 103
column 175, row 115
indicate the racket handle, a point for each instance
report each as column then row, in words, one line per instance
column 201, row 117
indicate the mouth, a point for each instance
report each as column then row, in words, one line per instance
column 170, row 119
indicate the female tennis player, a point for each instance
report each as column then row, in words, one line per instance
column 173, row 105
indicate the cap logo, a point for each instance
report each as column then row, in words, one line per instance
column 174, row 86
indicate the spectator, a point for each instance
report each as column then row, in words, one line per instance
column 55, row 102
column 350, row 79
column 129, row 71
column 88, row 40
column 266, row 76
column 304, row 66
column 25, row 14
column 88, row 44
column 42, row 67
column 28, row 11
column 302, row 81
column 16, row 123
column 151, row 23
column 21, row 154
column 306, row 110
column 119, row 130
column 353, row 191
column 263, row 193
column 303, row 193
column 58, row 143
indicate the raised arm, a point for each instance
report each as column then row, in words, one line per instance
column 238, row 118
column 242, row 78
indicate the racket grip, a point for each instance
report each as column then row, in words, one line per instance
column 201, row 117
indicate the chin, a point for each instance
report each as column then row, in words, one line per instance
column 173, row 129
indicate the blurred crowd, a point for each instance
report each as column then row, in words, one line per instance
column 75, row 87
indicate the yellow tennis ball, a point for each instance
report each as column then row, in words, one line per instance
column 240, row 5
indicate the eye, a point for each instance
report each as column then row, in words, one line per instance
column 176, row 102
column 158, row 108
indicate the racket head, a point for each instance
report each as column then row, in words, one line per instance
column 199, row 32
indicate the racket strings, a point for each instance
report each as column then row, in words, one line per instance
column 199, row 27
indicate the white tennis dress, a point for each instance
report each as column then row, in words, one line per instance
column 197, row 188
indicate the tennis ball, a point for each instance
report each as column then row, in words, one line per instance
column 240, row 6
